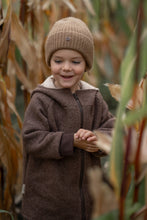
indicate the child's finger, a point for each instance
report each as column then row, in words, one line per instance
column 85, row 135
column 92, row 138
column 81, row 133
column 91, row 149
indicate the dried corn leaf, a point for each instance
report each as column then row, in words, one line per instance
column 115, row 90
column 9, row 154
column 70, row 5
column 14, row 138
column 18, row 71
column 13, row 108
column 89, row 7
column 6, row 118
column 21, row 76
column 11, row 84
column 46, row 4
column 4, row 37
column 38, row 35
column 134, row 144
column 37, row 21
column 137, row 98
column 27, row 49
column 52, row 12
column 101, row 193
column 143, row 158
column 138, row 95
column 6, row 105
column 104, row 141
column 33, row 4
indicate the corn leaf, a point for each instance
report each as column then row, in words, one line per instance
column 101, row 195
column 18, row 70
column 104, row 141
column 143, row 63
column 89, row 6
column 4, row 36
column 8, row 213
column 116, row 157
column 113, row 215
column 27, row 49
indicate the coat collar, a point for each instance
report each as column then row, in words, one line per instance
column 49, row 83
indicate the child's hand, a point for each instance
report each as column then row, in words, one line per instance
column 86, row 140
column 83, row 134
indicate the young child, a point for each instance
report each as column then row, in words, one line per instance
column 58, row 138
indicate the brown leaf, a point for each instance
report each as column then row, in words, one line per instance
column 4, row 37
column 6, row 118
column 104, row 141
column 11, row 80
column 138, row 94
column 18, row 71
column 144, row 147
column 143, row 150
column 6, row 104
column 27, row 49
column 101, row 193
column 10, row 154
column 133, row 144
column 115, row 90
column 13, row 108
column 36, row 22
column 70, row 6
column 89, row 6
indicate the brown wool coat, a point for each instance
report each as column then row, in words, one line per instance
column 56, row 185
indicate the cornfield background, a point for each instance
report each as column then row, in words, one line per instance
column 119, row 28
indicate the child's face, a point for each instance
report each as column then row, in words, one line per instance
column 67, row 67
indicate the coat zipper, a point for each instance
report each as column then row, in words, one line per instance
column 83, row 217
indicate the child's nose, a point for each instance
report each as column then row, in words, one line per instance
column 66, row 66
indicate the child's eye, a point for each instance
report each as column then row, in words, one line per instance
column 76, row 62
column 57, row 61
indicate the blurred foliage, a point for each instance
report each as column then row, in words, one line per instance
column 120, row 38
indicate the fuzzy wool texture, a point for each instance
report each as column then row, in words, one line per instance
column 52, row 165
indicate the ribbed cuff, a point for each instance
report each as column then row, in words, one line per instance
column 66, row 145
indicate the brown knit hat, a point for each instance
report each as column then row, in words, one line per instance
column 70, row 33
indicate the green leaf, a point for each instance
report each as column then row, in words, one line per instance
column 135, row 116
column 127, row 72
column 121, row 14
column 113, row 215
column 6, row 212
column 127, row 77
column 116, row 156
column 143, row 54
column 131, row 210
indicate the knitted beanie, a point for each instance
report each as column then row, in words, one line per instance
column 70, row 33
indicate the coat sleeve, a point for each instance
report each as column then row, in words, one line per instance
column 38, row 139
column 107, row 120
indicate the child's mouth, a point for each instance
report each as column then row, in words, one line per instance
column 67, row 77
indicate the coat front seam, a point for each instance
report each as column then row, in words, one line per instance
column 83, row 217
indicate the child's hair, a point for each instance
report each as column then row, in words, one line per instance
column 70, row 33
